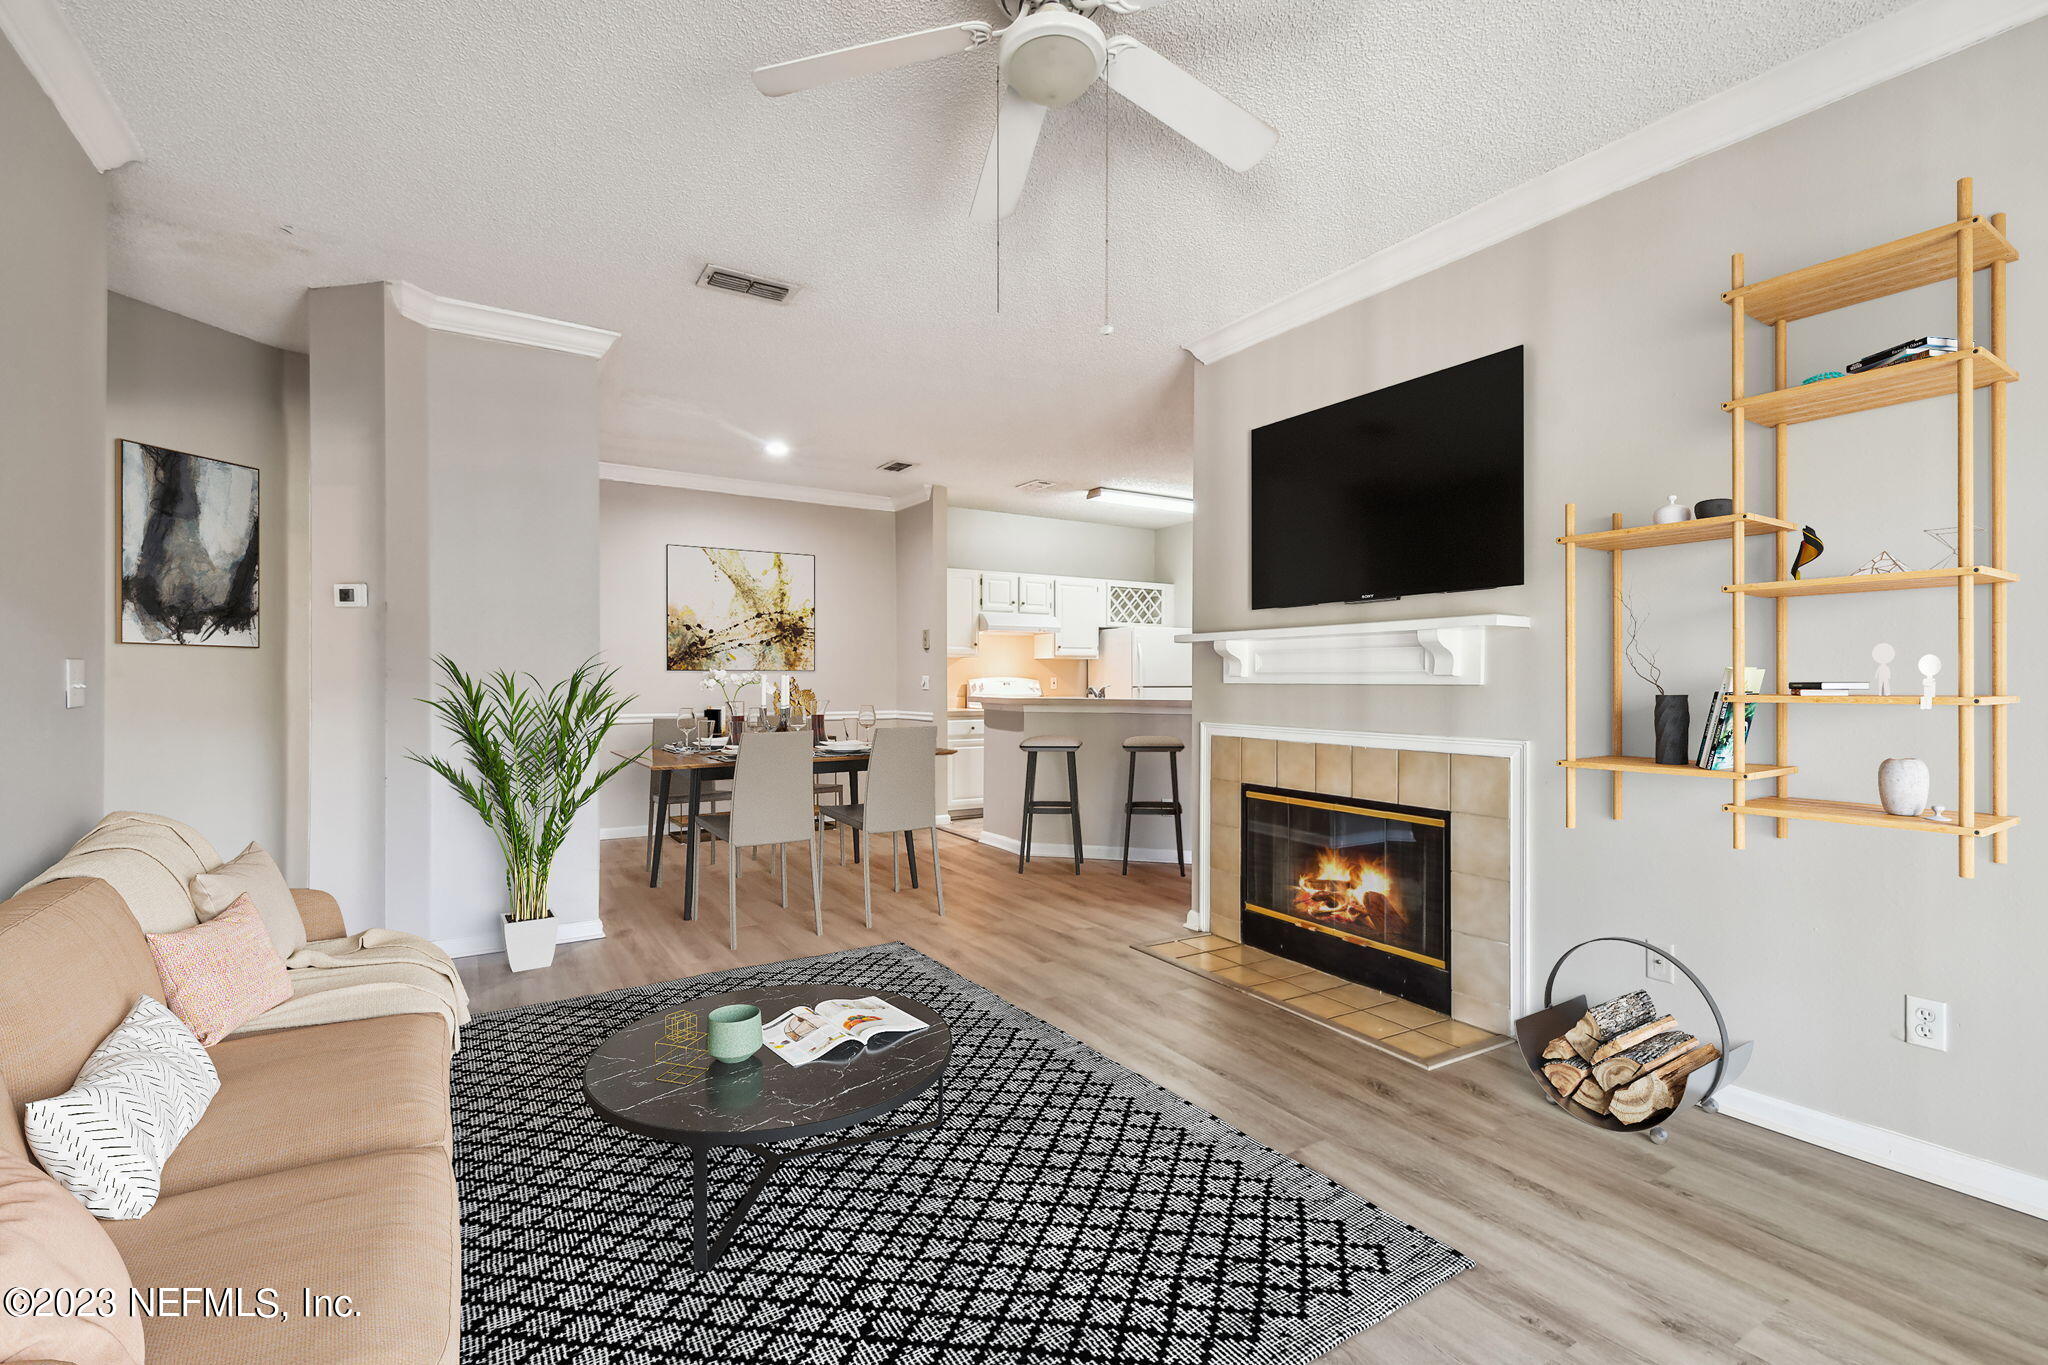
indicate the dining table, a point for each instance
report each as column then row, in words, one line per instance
column 701, row 766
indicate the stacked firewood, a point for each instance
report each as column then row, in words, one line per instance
column 1625, row 1060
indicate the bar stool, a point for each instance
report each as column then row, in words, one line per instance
column 1071, row 807
column 1154, row 744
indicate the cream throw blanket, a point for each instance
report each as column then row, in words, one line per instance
column 150, row 859
column 367, row 976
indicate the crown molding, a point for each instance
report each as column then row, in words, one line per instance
column 496, row 324
column 760, row 488
column 1902, row 41
column 55, row 57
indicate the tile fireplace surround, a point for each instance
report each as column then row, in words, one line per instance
column 1481, row 782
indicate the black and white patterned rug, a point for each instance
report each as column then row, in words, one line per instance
column 1069, row 1210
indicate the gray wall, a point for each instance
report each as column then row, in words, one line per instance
column 57, row 485
column 1811, row 941
column 1174, row 562
column 1085, row 549
column 920, row 624
column 856, row 600
column 192, row 731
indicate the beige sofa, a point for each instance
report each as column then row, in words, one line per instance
column 321, row 1166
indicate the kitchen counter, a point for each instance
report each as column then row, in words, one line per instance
column 1102, row 725
column 1088, row 705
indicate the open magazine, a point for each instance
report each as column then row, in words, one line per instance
column 808, row 1032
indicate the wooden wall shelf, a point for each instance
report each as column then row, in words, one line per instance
column 1874, row 582
column 1954, row 251
column 1856, row 813
column 1866, row 699
column 1931, row 376
column 1626, row 763
column 1679, row 532
column 1924, row 258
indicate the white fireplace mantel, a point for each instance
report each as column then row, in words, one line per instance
column 1437, row 650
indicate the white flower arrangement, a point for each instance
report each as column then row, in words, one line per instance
column 729, row 685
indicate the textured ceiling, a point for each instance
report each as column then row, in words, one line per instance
column 585, row 160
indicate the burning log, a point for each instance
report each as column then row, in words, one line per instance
column 1659, row 1090
column 1565, row 1074
column 1619, row 1068
column 1622, row 1042
column 1603, row 1022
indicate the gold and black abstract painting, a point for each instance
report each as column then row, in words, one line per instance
column 189, row 542
column 741, row 609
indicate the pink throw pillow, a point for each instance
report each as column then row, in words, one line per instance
column 221, row 974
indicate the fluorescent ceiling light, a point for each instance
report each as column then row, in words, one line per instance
column 778, row 449
column 1131, row 497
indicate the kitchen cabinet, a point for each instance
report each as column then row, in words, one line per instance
column 963, row 603
column 1141, row 604
column 999, row 591
column 964, row 770
column 1082, row 605
column 1036, row 594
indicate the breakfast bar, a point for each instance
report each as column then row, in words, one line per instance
column 1102, row 726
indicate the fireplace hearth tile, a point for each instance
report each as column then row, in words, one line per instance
column 1226, row 757
column 1252, row 957
column 1333, row 769
column 1368, row 1024
column 1375, row 775
column 1479, row 784
column 1455, row 1033
column 1295, row 765
column 1418, row 1044
column 1480, row 907
column 1428, row 1047
column 1309, row 976
column 1480, row 846
column 1408, row 1014
column 1360, row 997
column 1234, row 953
column 1258, row 763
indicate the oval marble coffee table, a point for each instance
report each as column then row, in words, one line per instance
column 646, row 1081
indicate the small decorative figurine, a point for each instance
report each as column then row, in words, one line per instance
column 1810, row 547
column 1671, row 511
column 1930, row 665
column 1882, row 655
column 1884, row 561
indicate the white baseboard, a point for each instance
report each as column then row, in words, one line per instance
column 1046, row 848
column 1937, row 1165
column 483, row 945
column 624, row 832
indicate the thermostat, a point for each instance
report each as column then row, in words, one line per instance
column 351, row 594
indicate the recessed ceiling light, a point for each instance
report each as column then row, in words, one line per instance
column 1131, row 497
column 778, row 449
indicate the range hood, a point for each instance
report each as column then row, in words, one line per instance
column 1015, row 623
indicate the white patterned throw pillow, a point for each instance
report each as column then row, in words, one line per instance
column 106, row 1138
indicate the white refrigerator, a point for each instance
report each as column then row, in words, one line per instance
column 1146, row 662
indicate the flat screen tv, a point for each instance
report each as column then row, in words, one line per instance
column 1415, row 488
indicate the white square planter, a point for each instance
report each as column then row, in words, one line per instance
column 529, row 943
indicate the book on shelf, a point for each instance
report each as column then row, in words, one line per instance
column 1827, row 687
column 802, row 1035
column 1717, row 741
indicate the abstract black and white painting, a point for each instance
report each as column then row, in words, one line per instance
column 188, row 549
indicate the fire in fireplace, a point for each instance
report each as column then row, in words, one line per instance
column 1358, row 888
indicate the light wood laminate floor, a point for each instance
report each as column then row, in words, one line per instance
column 1729, row 1243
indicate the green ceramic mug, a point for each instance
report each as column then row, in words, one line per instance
column 735, row 1032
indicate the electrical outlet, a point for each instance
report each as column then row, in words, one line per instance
column 1657, row 967
column 1927, row 1023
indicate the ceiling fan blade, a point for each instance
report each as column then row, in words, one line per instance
column 1016, row 134
column 805, row 73
column 1187, row 106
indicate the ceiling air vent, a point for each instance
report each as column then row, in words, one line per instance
column 895, row 466
column 733, row 282
column 1036, row 485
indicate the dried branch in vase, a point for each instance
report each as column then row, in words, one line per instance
column 1641, row 661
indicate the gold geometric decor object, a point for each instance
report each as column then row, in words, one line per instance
column 679, row 1055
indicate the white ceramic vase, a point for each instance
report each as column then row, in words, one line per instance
column 529, row 943
column 1902, row 785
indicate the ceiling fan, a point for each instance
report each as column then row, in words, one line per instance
column 1049, row 57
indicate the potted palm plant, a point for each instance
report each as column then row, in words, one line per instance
column 531, row 755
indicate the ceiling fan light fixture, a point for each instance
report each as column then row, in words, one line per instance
column 1052, row 57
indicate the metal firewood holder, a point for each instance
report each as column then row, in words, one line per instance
column 1534, row 1031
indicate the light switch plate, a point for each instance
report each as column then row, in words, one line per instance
column 74, row 684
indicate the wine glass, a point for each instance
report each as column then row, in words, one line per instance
column 864, row 723
column 757, row 718
column 688, row 724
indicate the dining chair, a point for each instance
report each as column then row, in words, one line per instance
column 901, row 798
column 666, row 730
column 771, row 804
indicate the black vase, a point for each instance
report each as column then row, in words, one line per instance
column 1674, row 727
